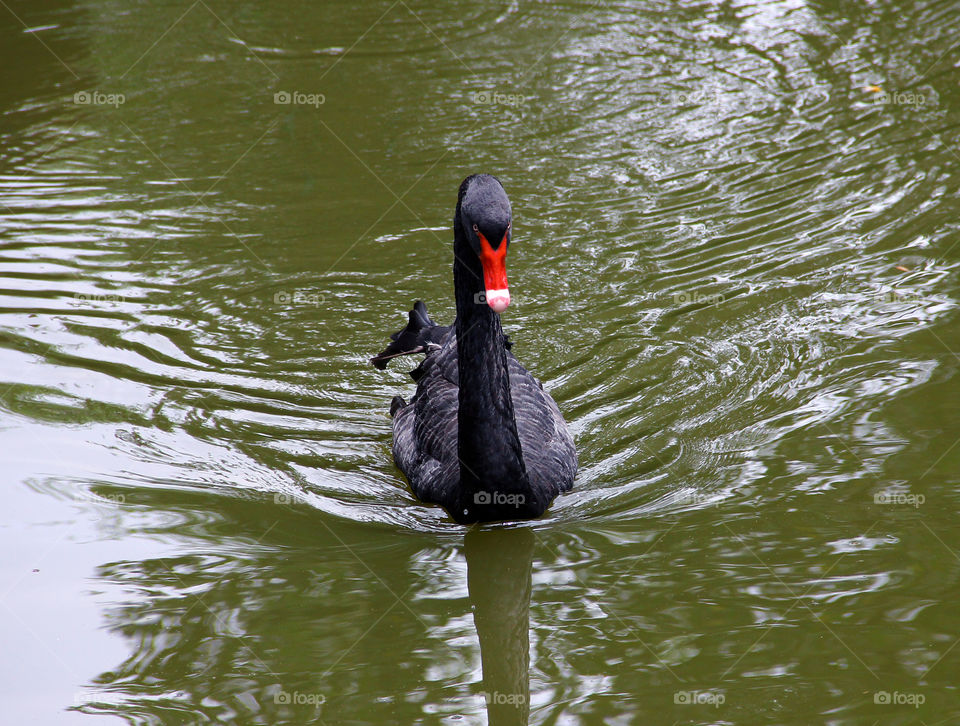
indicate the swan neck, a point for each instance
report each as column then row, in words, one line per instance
column 491, row 460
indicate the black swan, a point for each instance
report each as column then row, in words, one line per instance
column 480, row 437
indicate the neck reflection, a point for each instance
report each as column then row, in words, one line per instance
column 499, row 563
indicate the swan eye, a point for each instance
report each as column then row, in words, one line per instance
column 476, row 229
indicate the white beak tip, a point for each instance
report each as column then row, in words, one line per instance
column 498, row 300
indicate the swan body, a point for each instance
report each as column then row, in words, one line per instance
column 481, row 437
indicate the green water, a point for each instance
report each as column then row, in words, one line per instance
column 735, row 267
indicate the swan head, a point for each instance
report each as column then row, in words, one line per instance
column 485, row 217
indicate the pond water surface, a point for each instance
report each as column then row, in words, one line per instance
column 735, row 267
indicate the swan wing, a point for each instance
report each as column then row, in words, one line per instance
column 548, row 451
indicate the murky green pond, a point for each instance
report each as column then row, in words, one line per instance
column 735, row 266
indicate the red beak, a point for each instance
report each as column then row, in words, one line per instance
column 494, row 263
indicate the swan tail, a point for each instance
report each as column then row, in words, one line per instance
column 414, row 338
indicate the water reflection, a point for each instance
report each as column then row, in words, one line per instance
column 499, row 566
column 275, row 629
